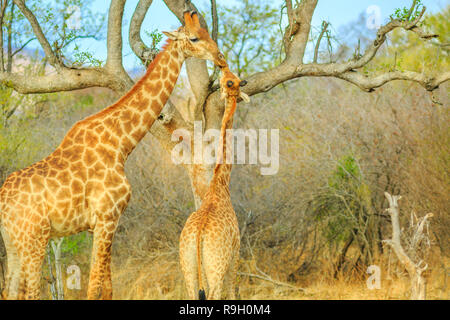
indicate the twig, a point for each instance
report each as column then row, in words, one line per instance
column 316, row 49
column 39, row 33
column 266, row 278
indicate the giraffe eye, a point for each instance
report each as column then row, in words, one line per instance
column 229, row 83
column 194, row 39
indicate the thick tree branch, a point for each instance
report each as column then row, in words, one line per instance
column 114, row 37
column 112, row 76
column 293, row 67
column 114, row 41
column 298, row 34
column 64, row 80
column 144, row 53
column 215, row 21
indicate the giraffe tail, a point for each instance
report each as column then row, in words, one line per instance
column 201, row 294
column 201, row 291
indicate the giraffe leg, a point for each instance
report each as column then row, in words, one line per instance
column 13, row 269
column 33, row 273
column 215, row 275
column 230, row 277
column 191, row 279
column 215, row 281
column 188, row 261
column 107, row 281
column 191, row 285
column 100, row 285
column 31, row 253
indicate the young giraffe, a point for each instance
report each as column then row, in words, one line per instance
column 82, row 184
column 210, row 242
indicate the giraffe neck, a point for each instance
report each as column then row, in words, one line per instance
column 222, row 171
column 130, row 118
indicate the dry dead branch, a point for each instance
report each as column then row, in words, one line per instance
column 415, row 269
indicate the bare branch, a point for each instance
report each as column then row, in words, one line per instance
column 371, row 51
column 269, row 279
column 53, row 60
column 9, row 38
column 3, row 4
column 114, row 37
column 411, row 10
column 316, row 49
column 368, row 83
column 215, row 21
column 415, row 270
column 22, row 46
column 292, row 67
column 144, row 53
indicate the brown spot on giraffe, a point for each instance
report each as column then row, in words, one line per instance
column 210, row 241
column 89, row 169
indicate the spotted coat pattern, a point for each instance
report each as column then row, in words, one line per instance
column 210, row 241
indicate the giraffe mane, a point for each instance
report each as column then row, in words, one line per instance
column 150, row 69
column 229, row 112
column 133, row 89
column 158, row 56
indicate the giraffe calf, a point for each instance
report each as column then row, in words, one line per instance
column 210, row 241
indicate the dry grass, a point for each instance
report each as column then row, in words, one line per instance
column 161, row 279
column 400, row 142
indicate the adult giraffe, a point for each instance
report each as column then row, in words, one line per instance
column 82, row 184
column 209, row 242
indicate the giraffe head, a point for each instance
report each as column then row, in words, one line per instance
column 231, row 85
column 195, row 40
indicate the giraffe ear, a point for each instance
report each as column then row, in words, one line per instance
column 173, row 35
column 188, row 20
column 195, row 19
column 245, row 97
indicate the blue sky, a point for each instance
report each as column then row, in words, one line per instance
column 338, row 12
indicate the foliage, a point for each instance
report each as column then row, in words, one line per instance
column 64, row 22
column 17, row 113
column 155, row 38
column 342, row 206
column 84, row 57
column 404, row 14
column 248, row 35
column 76, row 243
